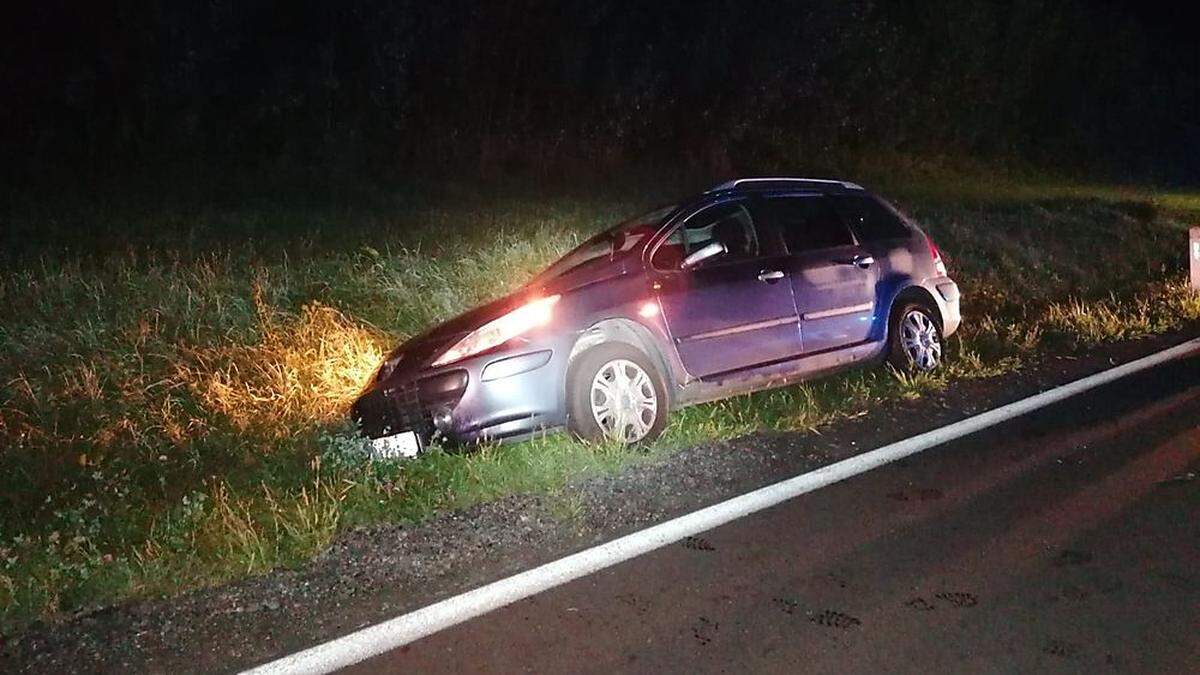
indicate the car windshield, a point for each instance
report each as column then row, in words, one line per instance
column 617, row 239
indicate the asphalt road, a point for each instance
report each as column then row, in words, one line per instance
column 1066, row 540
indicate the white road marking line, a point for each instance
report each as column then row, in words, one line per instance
column 397, row 632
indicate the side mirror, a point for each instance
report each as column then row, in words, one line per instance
column 709, row 251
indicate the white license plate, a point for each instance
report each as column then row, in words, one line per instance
column 404, row 444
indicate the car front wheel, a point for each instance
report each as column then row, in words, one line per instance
column 614, row 393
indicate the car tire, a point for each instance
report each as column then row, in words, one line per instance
column 595, row 410
column 915, row 341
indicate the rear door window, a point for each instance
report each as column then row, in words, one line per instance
column 808, row 223
column 870, row 220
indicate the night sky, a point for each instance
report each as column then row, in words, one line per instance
column 382, row 87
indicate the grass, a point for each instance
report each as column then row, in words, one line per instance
column 173, row 385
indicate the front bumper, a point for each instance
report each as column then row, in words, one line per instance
column 509, row 393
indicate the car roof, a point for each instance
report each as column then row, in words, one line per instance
column 745, row 186
column 783, row 183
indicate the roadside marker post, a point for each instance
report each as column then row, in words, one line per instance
column 1194, row 256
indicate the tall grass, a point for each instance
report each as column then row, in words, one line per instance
column 171, row 406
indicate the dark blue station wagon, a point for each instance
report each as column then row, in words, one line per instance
column 756, row 283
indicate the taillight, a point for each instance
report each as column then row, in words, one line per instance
column 937, row 257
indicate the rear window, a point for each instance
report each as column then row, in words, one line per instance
column 870, row 220
column 808, row 223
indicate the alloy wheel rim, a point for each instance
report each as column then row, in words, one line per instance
column 623, row 401
column 921, row 340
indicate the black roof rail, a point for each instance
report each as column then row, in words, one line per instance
column 782, row 182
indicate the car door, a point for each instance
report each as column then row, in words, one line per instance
column 833, row 279
column 732, row 311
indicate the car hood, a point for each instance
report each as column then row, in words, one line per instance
column 420, row 351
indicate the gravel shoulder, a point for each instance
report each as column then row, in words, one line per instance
column 371, row 574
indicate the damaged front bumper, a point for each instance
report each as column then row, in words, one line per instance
column 509, row 394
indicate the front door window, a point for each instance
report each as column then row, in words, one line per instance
column 730, row 224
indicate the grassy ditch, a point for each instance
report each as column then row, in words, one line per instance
column 172, row 400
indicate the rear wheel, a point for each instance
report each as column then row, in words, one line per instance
column 914, row 339
column 615, row 393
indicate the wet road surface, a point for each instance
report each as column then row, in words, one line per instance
column 1066, row 540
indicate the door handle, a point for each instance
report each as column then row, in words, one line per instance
column 859, row 261
column 770, row 276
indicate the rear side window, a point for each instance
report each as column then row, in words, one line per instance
column 808, row 223
column 870, row 220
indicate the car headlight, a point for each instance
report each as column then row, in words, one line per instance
column 498, row 331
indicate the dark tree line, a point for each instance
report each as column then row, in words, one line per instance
column 542, row 86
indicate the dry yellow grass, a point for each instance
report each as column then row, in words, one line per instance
column 305, row 369
column 1155, row 308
